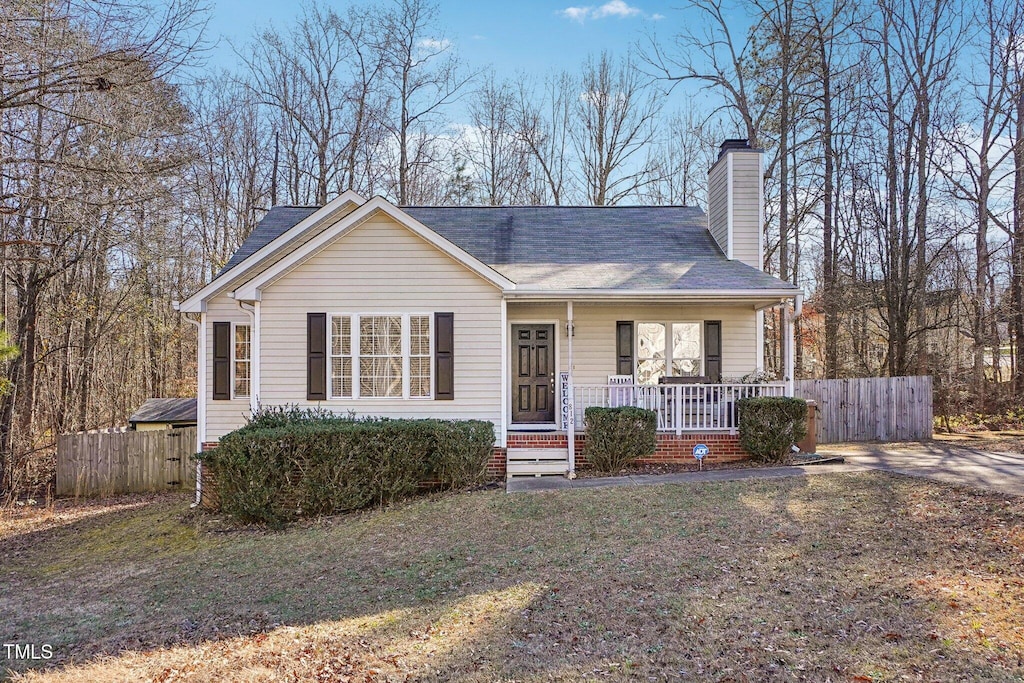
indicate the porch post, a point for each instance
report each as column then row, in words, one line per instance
column 571, row 430
column 503, row 430
column 788, row 347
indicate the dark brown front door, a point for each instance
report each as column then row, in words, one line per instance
column 533, row 373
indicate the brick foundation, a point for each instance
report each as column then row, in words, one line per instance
column 208, row 497
column 724, row 447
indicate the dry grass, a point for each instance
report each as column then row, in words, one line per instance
column 1007, row 440
column 832, row 577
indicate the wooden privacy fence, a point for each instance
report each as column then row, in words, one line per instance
column 871, row 408
column 122, row 461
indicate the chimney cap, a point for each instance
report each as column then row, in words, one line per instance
column 733, row 143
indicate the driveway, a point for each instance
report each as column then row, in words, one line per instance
column 989, row 466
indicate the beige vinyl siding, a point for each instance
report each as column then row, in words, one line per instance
column 594, row 343
column 222, row 416
column 746, row 198
column 382, row 267
column 283, row 251
column 718, row 203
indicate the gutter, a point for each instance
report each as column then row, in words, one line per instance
column 699, row 295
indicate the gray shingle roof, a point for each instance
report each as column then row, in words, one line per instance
column 277, row 222
column 571, row 247
column 165, row 410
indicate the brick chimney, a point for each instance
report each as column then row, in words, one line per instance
column 736, row 202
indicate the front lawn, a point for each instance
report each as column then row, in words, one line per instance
column 837, row 577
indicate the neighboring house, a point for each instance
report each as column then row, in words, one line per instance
column 522, row 316
column 862, row 345
column 164, row 413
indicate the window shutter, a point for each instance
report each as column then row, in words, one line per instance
column 444, row 356
column 316, row 356
column 713, row 350
column 221, row 361
column 624, row 347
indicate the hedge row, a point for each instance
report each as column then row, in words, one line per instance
column 285, row 465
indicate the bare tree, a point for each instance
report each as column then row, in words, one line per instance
column 680, row 159
column 423, row 76
column 320, row 80
column 707, row 53
column 226, row 187
column 614, row 121
column 542, row 123
column 499, row 157
column 90, row 128
column 976, row 164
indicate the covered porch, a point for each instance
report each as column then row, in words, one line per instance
column 680, row 407
column 688, row 358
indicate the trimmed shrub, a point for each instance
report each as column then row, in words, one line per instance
column 462, row 450
column 770, row 425
column 286, row 464
column 269, row 417
column 618, row 436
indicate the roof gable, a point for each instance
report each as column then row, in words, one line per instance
column 266, row 241
column 378, row 205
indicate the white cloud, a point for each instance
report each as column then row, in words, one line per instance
column 616, row 8
column 657, row 17
column 576, row 13
column 433, row 45
column 612, row 8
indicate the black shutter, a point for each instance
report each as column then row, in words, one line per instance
column 444, row 356
column 316, row 356
column 221, row 361
column 624, row 347
column 713, row 350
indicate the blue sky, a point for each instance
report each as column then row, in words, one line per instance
column 532, row 36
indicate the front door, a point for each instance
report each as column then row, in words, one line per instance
column 533, row 373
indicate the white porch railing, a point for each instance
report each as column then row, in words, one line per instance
column 680, row 407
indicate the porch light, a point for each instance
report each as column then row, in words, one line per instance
column 570, row 329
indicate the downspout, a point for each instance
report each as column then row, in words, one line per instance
column 200, row 402
column 798, row 309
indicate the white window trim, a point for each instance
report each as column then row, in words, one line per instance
column 406, row 355
column 234, row 361
column 668, row 343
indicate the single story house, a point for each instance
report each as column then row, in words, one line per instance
column 521, row 315
column 164, row 413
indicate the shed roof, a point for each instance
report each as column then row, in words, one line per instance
column 165, row 410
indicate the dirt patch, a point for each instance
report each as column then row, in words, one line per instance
column 843, row 577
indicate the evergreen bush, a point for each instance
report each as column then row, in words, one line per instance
column 618, row 436
column 770, row 425
column 288, row 463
